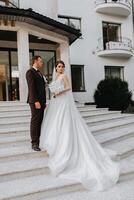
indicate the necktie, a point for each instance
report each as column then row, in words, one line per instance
column 39, row 73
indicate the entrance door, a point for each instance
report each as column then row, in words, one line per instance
column 9, row 76
column 4, row 80
column 49, row 62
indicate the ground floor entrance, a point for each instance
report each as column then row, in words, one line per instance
column 9, row 75
column 9, row 71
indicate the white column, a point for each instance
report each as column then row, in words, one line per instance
column 23, row 61
column 65, row 57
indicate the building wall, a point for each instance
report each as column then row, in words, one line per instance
column 44, row 7
column 83, row 51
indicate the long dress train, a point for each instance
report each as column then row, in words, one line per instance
column 73, row 151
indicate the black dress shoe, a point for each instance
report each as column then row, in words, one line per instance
column 36, row 148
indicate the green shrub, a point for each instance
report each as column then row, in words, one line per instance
column 112, row 93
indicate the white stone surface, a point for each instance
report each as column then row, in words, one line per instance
column 123, row 146
column 13, row 138
column 110, row 135
column 109, row 118
column 127, row 164
column 97, row 113
column 14, row 108
column 122, row 191
column 15, row 114
column 19, row 150
column 30, row 185
column 26, row 170
column 22, row 165
column 19, row 129
column 111, row 125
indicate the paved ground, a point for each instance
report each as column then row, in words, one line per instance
column 124, row 190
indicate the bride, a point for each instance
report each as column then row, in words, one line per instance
column 73, row 151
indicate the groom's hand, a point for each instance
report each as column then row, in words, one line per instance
column 37, row 105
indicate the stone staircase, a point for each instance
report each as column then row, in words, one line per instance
column 23, row 172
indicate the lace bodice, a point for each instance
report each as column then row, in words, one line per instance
column 57, row 85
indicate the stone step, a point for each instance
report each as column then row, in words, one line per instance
column 127, row 166
column 44, row 185
column 36, row 166
column 23, row 168
column 14, row 134
column 19, row 103
column 15, row 124
column 9, row 152
column 94, row 128
column 90, row 109
column 26, row 118
column 85, row 114
column 123, row 148
column 7, row 138
column 12, row 103
column 99, row 113
column 110, row 126
column 36, row 187
column 107, row 119
column 28, row 169
column 13, row 130
column 14, row 108
column 109, row 137
column 114, row 136
column 14, row 114
column 14, row 121
column 24, row 121
column 17, row 143
column 80, row 105
column 24, row 106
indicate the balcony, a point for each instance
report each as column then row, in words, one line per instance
column 10, row 3
column 122, row 47
column 74, row 22
column 113, row 7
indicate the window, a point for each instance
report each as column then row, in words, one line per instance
column 77, row 72
column 114, row 72
column 74, row 22
column 111, row 32
column 11, row 3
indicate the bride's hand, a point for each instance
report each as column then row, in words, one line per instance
column 56, row 93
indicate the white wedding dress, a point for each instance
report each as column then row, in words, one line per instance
column 73, row 151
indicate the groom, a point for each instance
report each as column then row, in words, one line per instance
column 36, row 99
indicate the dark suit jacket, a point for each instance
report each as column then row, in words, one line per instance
column 36, row 87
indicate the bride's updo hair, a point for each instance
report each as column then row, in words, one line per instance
column 59, row 62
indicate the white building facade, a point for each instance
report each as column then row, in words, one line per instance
column 105, row 48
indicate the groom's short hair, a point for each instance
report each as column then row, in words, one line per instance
column 35, row 58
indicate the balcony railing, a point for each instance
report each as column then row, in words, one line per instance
column 74, row 22
column 120, row 43
column 10, row 3
column 122, row 2
column 114, row 7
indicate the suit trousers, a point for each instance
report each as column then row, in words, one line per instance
column 35, row 126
